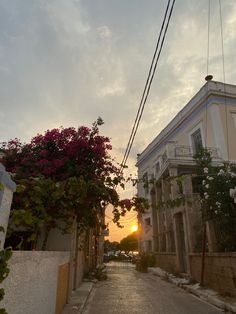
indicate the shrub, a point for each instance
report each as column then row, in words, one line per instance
column 145, row 261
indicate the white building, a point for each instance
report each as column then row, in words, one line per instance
column 208, row 120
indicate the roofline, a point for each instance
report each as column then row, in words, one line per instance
column 209, row 89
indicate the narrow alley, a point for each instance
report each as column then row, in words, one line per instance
column 128, row 291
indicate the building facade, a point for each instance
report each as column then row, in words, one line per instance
column 174, row 233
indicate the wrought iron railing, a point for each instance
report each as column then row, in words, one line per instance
column 182, row 151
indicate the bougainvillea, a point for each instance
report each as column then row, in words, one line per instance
column 61, row 175
column 137, row 204
column 61, row 153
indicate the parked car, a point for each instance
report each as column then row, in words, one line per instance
column 106, row 258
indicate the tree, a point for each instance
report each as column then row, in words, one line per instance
column 129, row 243
column 63, row 175
column 111, row 246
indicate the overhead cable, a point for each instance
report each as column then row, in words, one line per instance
column 155, row 59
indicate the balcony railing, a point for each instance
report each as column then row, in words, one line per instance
column 181, row 152
column 186, row 151
column 177, row 151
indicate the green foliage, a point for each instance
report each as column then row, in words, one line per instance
column 99, row 273
column 177, row 202
column 111, row 246
column 63, row 175
column 145, row 261
column 138, row 204
column 171, row 203
column 45, row 202
column 217, row 205
column 5, row 255
column 129, row 243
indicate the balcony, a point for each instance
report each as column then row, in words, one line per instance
column 186, row 151
column 173, row 150
column 181, row 154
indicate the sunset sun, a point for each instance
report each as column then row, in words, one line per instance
column 134, row 228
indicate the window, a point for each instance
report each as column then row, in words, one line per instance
column 157, row 167
column 196, row 140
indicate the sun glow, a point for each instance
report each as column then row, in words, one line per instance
column 134, row 228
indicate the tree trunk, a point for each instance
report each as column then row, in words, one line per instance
column 45, row 238
column 34, row 244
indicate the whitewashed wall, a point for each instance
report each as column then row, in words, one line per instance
column 31, row 285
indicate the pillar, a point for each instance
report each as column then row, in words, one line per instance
column 8, row 187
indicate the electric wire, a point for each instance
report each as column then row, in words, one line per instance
column 129, row 219
column 207, row 65
column 148, row 82
column 148, row 90
column 223, row 69
column 208, row 36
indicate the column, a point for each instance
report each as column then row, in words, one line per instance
column 8, row 187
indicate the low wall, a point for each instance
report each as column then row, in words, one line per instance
column 220, row 271
column 31, row 286
column 167, row 261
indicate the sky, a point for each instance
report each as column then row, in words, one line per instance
column 66, row 62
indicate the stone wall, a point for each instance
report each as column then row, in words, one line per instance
column 31, row 286
column 167, row 261
column 220, row 271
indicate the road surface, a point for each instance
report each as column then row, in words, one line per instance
column 128, row 291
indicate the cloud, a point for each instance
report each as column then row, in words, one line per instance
column 66, row 17
column 104, row 32
column 68, row 62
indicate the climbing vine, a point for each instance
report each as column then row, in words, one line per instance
column 5, row 255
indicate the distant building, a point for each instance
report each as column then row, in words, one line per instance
column 208, row 120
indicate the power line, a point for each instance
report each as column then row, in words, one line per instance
column 125, row 220
column 223, row 68
column 128, row 220
column 147, row 82
column 208, row 35
column 151, row 73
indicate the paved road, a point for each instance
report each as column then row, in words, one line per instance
column 128, row 291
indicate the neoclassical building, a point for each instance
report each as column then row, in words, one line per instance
column 173, row 234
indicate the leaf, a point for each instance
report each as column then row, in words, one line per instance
column 20, row 188
column 32, row 238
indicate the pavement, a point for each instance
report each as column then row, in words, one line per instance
column 227, row 304
column 78, row 298
column 155, row 292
